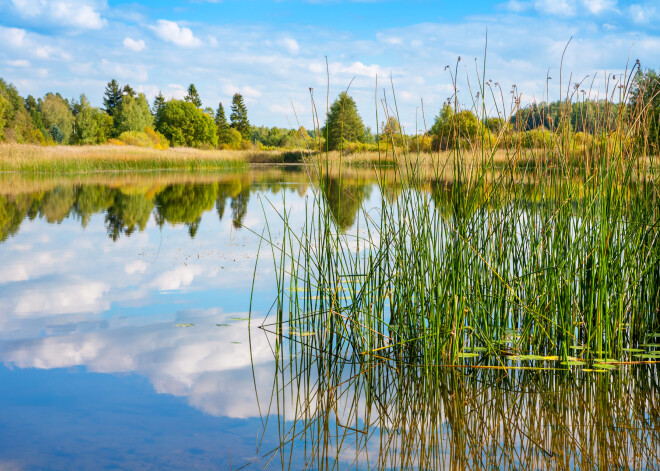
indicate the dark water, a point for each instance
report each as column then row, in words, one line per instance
column 125, row 344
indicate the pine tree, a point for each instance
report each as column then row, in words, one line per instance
column 159, row 101
column 343, row 123
column 238, row 117
column 220, row 118
column 193, row 96
column 112, row 97
column 128, row 91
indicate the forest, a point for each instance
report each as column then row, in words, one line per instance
column 127, row 118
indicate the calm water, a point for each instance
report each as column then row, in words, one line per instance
column 125, row 344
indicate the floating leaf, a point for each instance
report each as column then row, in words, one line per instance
column 576, row 347
column 223, row 325
column 606, row 360
column 604, row 366
column 573, row 363
column 303, row 334
column 240, row 319
column 648, row 355
column 633, row 350
column 551, row 358
column 595, row 371
column 476, row 349
column 467, row 355
column 652, row 345
column 184, row 325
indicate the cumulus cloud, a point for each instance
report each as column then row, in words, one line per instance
column 290, row 45
column 134, row 45
column 76, row 13
column 598, row 6
column 556, row 7
column 171, row 32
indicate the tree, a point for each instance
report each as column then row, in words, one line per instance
column 193, row 96
column 238, row 117
column 646, row 98
column 86, row 129
column 56, row 134
column 183, row 124
column 343, row 123
column 112, row 97
column 159, row 101
column 55, row 111
column 222, row 126
column 450, row 129
column 128, row 91
column 133, row 114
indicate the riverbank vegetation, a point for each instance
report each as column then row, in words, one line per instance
column 533, row 263
column 582, row 124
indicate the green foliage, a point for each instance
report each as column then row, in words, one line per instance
column 183, row 124
column 133, row 114
column 159, row 101
column 239, row 118
column 452, row 130
column 56, row 134
column 86, row 129
column 16, row 124
column 646, row 96
column 55, row 111
column 148, row 138
column 112, row 97
column 193, row 96
column 343, row 123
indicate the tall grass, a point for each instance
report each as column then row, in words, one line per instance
column 533, row 262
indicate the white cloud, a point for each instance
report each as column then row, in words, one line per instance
column 76, row 13
column 18, row 63
column 247, row 92
column 556, row 7
column 134, row 45
column 177, row 278
column 290, row 45
column 133, row 72
column 515, row 6
column 598, row 6
column 60, row 299
column 170, row 31
column 12, row 36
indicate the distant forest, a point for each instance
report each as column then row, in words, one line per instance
column 127, row 118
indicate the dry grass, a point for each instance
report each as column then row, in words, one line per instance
column 49, row 159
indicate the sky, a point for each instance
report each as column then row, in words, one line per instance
column 392, row 56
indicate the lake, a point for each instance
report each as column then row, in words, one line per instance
column 138, row 330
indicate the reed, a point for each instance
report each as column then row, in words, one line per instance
column 524, row 256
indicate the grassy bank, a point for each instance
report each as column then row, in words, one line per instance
column 74, row 159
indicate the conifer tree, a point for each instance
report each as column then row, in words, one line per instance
column 239, row 118
column 128, row 91
column 159, row 101
column 112, row 97
column 220, row 117
column 193, row 96
column 343, row 123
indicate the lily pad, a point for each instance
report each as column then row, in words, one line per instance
column 604, row 366
column 303, row 334
column 633, row 350
column 573, row 363
column 606, row 360
column 467, row 355
column 184, row 325
column 476, row 349
column 594, row 371
column 650, row 356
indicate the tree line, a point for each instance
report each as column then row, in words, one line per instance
column 127, row 118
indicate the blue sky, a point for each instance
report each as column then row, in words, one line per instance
column 274, row 51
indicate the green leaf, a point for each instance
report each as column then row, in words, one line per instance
column 184, row 325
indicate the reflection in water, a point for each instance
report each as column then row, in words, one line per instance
column 70, row 299
column 385, row 414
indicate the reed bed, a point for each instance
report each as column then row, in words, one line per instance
column 529, row 261
column 59, row 159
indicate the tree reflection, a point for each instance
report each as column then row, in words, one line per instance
column 127, row 213
column 344, row 198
